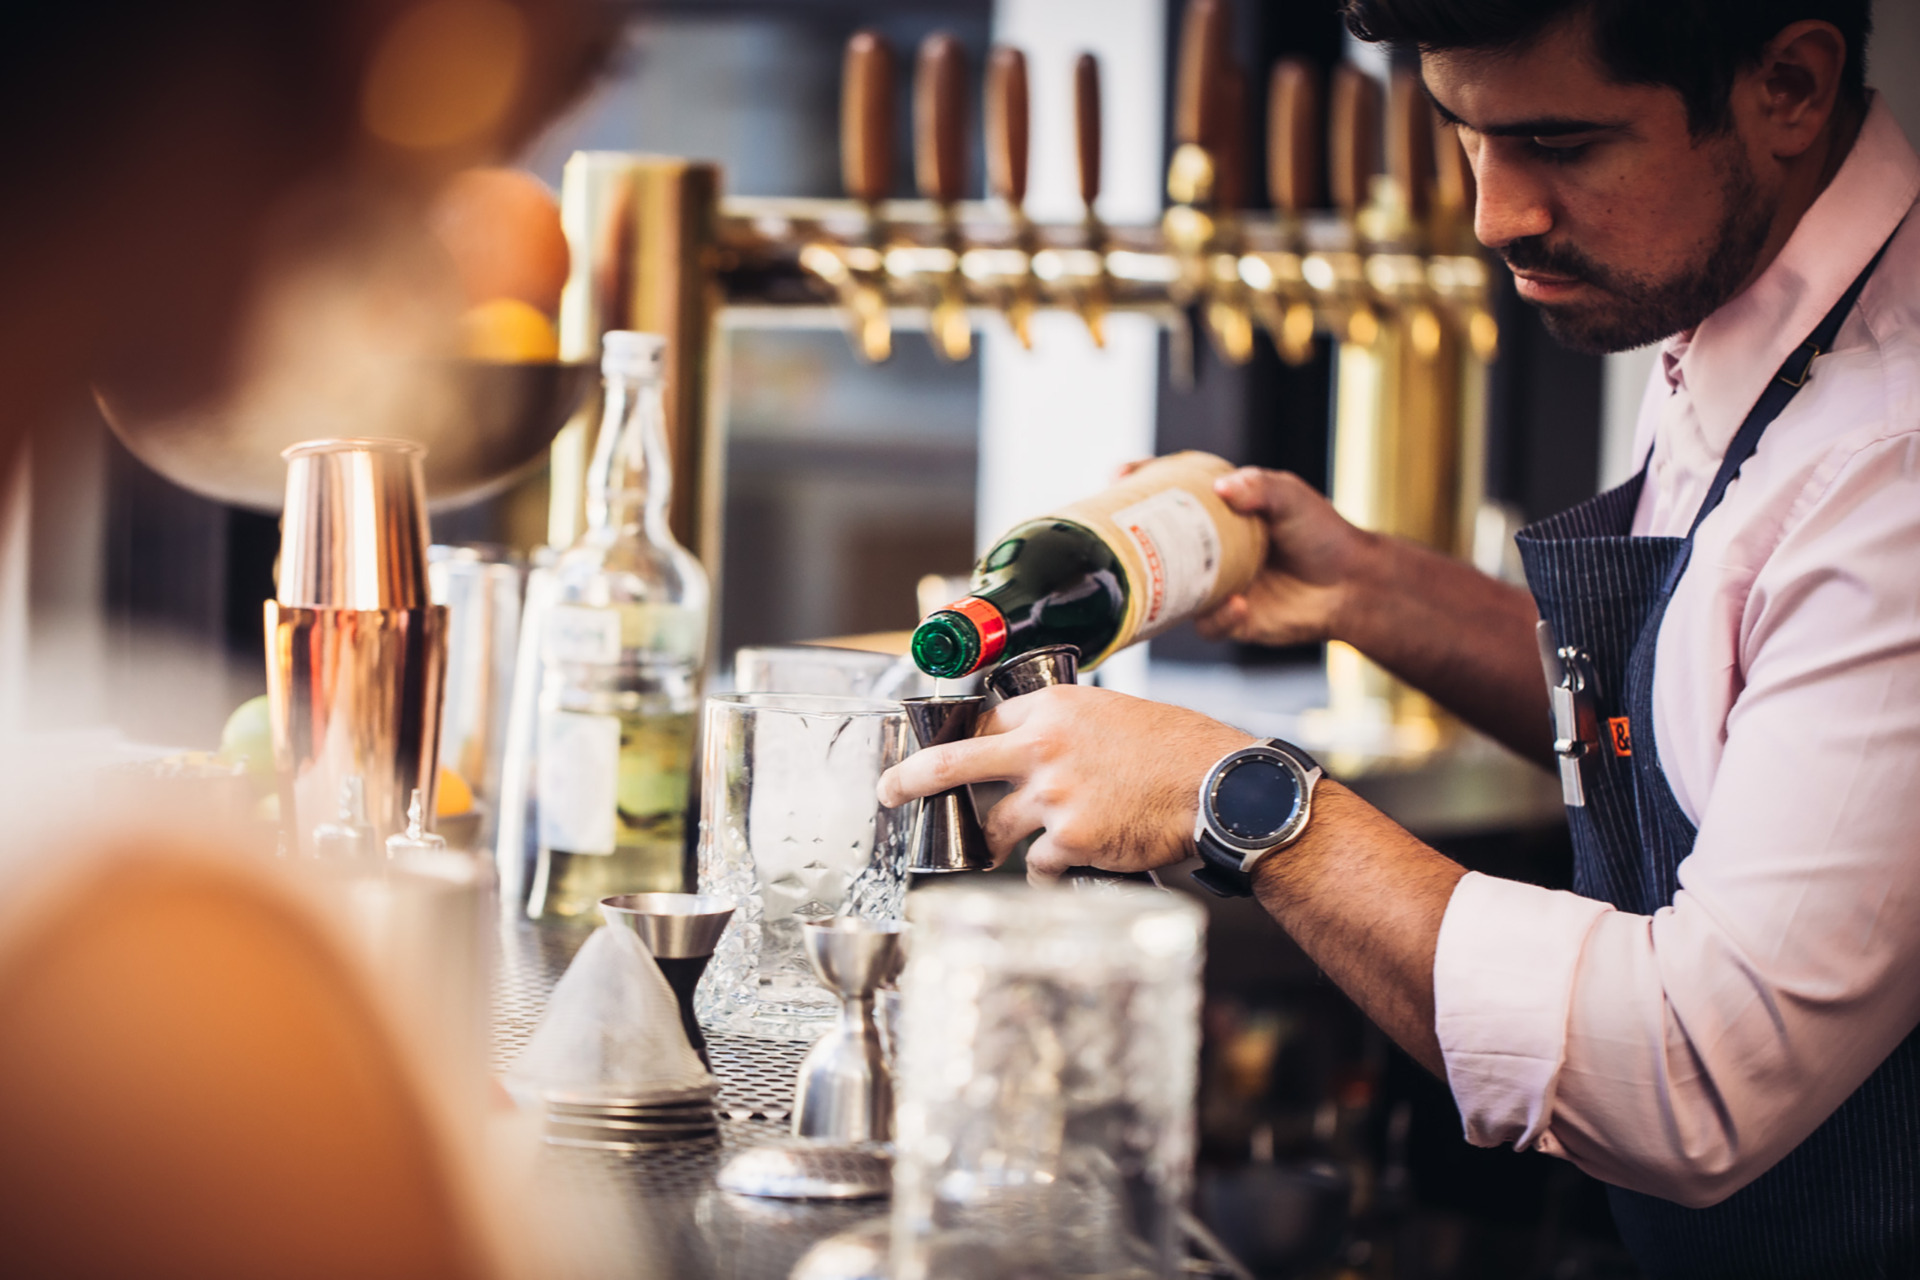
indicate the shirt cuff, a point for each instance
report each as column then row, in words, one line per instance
column 1503, row 974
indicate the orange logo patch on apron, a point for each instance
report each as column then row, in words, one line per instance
column 1622, row 735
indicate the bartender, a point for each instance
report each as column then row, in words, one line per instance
column 1719, row 1021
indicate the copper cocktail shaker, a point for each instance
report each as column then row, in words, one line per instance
column 356, row 652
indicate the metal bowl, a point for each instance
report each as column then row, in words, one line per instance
column 485, row 425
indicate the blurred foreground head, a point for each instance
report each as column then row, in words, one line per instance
column 163, row 153
column 199, row 1079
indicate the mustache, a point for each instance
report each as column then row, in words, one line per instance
column 1532, row 253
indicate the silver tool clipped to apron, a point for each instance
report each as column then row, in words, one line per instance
column 1842, row 1203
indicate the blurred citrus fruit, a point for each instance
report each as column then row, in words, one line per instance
column 507, row 330
column 455, row 797
column 248, row 739
column 502, row 227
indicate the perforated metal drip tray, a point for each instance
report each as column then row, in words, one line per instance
column 690, row 1228
column 756, row 1076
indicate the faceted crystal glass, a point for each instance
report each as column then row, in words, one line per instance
column 1045, row 1082
column 790, row 831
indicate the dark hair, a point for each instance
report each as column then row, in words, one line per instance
column 1694, row 46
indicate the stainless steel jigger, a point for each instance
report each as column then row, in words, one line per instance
column 845, row 1092
column 1035, row 669
column 1038, row 669
column 946, row 831
column 680, row 930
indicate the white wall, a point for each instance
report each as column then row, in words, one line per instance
column 1056, row 422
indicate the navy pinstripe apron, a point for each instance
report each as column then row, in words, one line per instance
column 1842, row 1203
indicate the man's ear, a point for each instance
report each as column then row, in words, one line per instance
column 1795, row 89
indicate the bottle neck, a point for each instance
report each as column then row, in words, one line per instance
column 630, row 481
column 960, row 639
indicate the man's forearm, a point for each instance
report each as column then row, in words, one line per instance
column 1364, row 899
column 1464, row 639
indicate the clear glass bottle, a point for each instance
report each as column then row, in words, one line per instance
column 621, row 646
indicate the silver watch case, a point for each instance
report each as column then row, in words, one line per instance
column 1305, row 776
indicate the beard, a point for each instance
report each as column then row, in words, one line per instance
column 1639, row 309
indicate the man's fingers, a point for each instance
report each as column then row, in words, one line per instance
column 1046, row 861
column 1006, row 716
column 1014, row 712
column 934, row 769
column 1012, row 819
column 1128, row 468
column 1253, row 491
column 1224, row 620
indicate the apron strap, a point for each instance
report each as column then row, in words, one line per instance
column 1785, row 385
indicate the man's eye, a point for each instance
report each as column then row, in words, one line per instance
column 1560, row 151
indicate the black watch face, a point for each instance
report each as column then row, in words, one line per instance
column 1255, row 799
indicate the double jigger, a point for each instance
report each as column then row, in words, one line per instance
column 843, row 1104
column 947, row 836
column 946, row 833
column 846, row 1090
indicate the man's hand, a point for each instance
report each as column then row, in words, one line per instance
column 1464, row 639
column 1315, row 564
column 1113, row 780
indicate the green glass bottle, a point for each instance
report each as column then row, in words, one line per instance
column 1046, row 582
column 1102, row 573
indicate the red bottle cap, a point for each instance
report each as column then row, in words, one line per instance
column 989, row 622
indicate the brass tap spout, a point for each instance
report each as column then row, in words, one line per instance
column 1007, row 147
column 939, row 161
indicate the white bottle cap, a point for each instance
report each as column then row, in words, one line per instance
column 626, row 354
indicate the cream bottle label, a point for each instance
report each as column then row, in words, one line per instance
column 1177, row 541
column 598, row 635
column 581, row 633
column 579, row 763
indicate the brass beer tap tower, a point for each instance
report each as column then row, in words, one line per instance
column 1389, row 272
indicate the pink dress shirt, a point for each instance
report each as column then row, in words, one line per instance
column 1682, row 1054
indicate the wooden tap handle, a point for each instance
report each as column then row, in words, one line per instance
column 1203, row 56
column 1453, row 184
column 1007, row 124
column 1410, row 140
column 1086, row 125
column 940, row 118
column 1230, row 147
column 1353, row 137
column 1294, row 135
column 866, row 117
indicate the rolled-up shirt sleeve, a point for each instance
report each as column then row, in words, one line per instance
column 1503, row 977
column 1683, row 1054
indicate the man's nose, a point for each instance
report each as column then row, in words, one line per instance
column 1512, row 205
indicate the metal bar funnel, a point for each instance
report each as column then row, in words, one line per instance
column 680, row 931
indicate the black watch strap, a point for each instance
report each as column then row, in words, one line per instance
column 1221, row 876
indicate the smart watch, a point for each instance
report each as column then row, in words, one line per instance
column 1255, row 801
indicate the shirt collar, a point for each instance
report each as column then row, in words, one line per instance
column 1728, row 359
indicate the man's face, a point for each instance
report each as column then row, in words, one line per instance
column 1619, row 225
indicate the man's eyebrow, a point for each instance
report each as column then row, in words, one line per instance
column 1544, row 127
